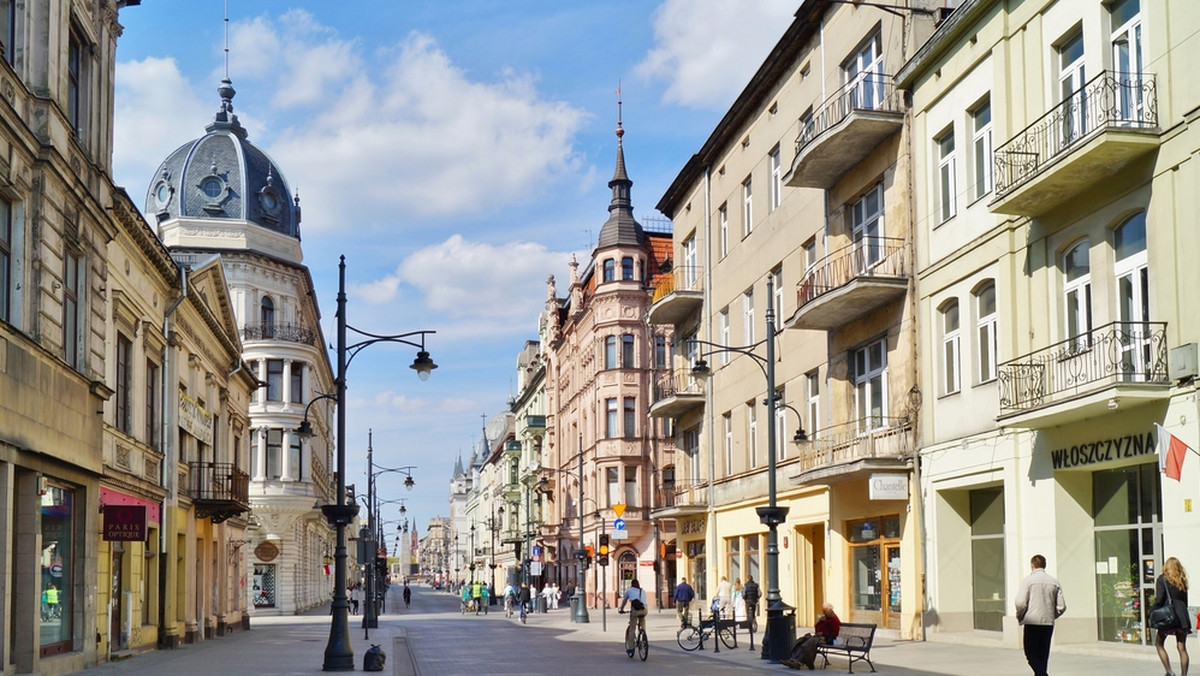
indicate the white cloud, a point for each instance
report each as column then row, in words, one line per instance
column 157, row 110
column 708, row 49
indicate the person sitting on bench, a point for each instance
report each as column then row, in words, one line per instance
column 804, row 653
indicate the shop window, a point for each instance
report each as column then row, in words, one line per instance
column 57, row 570
column 264, row 585
column 987, row 557
column 734, row 558
column 875, row 574
column 1127, row 508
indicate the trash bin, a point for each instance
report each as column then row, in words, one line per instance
column 539, row 606
column 573, row 603
column 780, row 635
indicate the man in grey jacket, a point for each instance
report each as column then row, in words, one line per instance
column 1039, row 603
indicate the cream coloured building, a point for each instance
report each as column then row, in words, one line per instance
column 799, row 204
column 1055, row 207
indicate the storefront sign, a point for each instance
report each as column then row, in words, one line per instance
column 194, row 420
column 1105, row 450
column 888, row 486
column 126, row 523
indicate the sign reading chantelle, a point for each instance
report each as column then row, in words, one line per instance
column 125, row 522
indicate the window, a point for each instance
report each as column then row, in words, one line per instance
column 752, row 433
column 631, row 492
column 777, row 307
column 614, row 488
column 630, row 417
column 863, row 73
column 691, row 446
column 610, row 352
column 985, row 331
column 812, row 385
column 7, row 275
column 690, row 272
column 295, row 464
column 660, row 352
column 987, row 557
column 951, row 344
column 748, row 316
column 76, row 82
column 274, row 467
column 782, row 438
column 981, row 145
column 152, row 421
column 727, row 422
column 611, row 428
column 1077, row 289
column 723, row 333
column 723, row 224
column 867, row 229
column 297, row 383
column 734, row 557
column 752, row 548
column 1127, row 58
column 8, row 29
column 212, row 187
column 123, row 397
column 627, row 268
column 627, row 359
column 945, row 178
column 776, row 186
column 266, row 316
column 1133, row 294
column 806, row 127
column 610, row 269
column 810, row 254
column 870, row 384
column 1071, row 78
column 274, row 380
column 58, row 566
column 72, row 290
column 747, row 206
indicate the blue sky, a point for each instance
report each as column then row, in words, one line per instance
column 457, row 152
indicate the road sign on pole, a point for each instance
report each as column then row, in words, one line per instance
column 618, row 524
column 619, row 509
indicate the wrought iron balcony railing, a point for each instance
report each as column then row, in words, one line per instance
column 218, row 489
column 1120, row 352
column 674, row 383
column 295, row 333
column 868, row 91
column 682, row 278
column 868, row 438
column 868, row 257
column 1111, row 100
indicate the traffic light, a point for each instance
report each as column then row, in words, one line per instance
column 590, row 553
column 350, row 494
column 602, row 550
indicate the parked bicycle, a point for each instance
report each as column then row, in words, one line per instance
column 692, row 636
column 635, row 635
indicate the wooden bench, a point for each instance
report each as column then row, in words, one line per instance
column 854, row 641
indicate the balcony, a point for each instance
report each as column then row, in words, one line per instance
column 674, row 502
column 1121, row 364
column 851, row 283
column 1104, row 126
column 535, row 421
column 219, row 490
column 677, row 295
column 847, row 127
column 676, row 393
column 855, row 450
column 292, row 333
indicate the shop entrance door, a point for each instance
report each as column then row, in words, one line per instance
column 1128, row 537
column 875, row 579
column 115, row 638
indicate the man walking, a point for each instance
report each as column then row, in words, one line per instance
column 750, row 594
column 1039, row 603
column 683, row 601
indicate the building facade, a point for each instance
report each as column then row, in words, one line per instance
column 1056, row 143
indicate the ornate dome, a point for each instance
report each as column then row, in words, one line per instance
column 221, row 175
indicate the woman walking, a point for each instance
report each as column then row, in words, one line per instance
column 1173, row 585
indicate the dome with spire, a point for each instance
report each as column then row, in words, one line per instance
column 222, row 175
column 621, row 229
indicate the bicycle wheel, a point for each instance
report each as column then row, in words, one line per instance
column 728, row 637
column 688, row 638
column 643, row 645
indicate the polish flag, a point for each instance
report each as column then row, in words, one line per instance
column 327, row 571
column 1171, row 451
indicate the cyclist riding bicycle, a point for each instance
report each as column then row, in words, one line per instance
column 637, row 614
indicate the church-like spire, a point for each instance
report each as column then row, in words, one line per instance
column 621, row 228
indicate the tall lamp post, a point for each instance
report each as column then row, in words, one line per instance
column 339, row 654
column 580, row 614
column 371, row 614
column 776, row 642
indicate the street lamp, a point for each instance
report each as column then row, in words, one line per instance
column 777, row 642
column 371, row 614
column 339, row 654
column 580, row 615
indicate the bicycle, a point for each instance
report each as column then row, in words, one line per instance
column 509, row 605
column 641, row 644
column 691, row 637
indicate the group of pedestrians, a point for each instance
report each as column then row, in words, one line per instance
column 732, row 601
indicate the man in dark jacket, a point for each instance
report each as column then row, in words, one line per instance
column 751, row 594
column 683, row 600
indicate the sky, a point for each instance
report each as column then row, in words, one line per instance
column 456, row 152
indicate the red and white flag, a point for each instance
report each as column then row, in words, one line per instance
column 1171, row 451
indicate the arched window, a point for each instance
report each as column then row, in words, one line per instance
column 267, row 313
column 985, row 331
column 627, row 268
column 1133, row 294
column 951, row 344
column 627, row 570
column 610, row 270
column 1077, row 293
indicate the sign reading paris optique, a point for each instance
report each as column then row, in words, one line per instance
column 125, row 523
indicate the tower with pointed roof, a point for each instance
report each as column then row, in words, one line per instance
column 601, row 364
column 220, row 194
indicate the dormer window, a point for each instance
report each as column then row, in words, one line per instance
column 212, row 187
